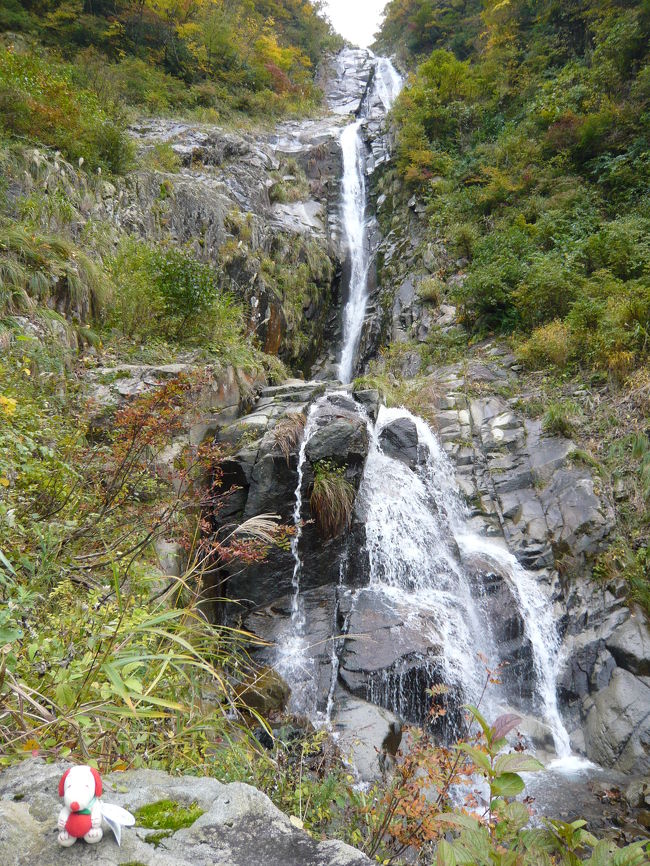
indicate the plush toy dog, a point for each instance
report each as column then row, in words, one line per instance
column 82, row 813
column 81, row 816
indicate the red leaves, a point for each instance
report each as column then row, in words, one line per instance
column 504, row 724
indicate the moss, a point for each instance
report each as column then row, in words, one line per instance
column 167, row 815
column 156, row 838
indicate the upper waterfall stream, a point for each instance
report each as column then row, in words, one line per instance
column 386, row 84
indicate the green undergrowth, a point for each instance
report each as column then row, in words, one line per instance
column 212, row 60
column 524, row 131
column 105, row 659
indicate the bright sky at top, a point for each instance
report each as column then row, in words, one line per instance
column 356, row 20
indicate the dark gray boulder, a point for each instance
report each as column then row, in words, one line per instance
column 399, row 439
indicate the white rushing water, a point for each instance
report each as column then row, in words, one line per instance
column 292, row 659
column 388, row 82
column 415, row 522
column 386, row 85
column 354, row 225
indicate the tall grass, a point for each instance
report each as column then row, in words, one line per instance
column 332, row 499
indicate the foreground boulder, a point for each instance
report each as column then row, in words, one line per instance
column 238, row 826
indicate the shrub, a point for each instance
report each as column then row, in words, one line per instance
column 464, row 237
column 332, row 499
column 545, row 292
column 168, row 293
column 430, row 291
column 549, row 344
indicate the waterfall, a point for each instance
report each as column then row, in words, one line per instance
column 415, row 523
column 354, row 224
column 386, row 86
column 388, row 82
column 412, row 560
column 418, row 541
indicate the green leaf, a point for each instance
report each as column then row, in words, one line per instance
column 9, row 634
column 632, row 855
column 517, row 762
column 600, row 856
column 480, row 758
column 65, row 695
column 487, row 730
column 7, row 564
column 515, row 815
column 445, row 855
column 458, row 819
column 507, row 785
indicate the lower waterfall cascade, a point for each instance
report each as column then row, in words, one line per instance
column 418, row 546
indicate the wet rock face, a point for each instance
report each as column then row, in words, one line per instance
column 239, row 825
column 268, row 481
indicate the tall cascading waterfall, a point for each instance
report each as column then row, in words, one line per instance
column 418, row 539
column 354, row 224
column 386, row 84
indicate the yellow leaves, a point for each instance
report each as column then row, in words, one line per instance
column 8, row 406
column 4, row 482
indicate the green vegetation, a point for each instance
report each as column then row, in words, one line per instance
column 215, row 58
column 525, row 129
column 104, row 659
column 41, row 101
column 332, row 498
column 559, row 418
column 165, row 292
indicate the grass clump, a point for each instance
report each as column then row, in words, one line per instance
column 560, row 418
column 37, row 268
column 431, row 291
column 288, row 432
column 622, row 562
column 162, row 157
column 547, row 345
column 332, row 498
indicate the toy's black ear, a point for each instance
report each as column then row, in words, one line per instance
column 62, row 783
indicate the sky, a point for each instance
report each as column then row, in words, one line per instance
column 356, row 20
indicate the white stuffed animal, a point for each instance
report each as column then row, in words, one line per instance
column 82, row 813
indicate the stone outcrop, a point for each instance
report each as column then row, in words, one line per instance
column 238, row 825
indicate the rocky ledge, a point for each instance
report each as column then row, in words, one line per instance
column 237, row 824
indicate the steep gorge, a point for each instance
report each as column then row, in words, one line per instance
column 471, row 536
